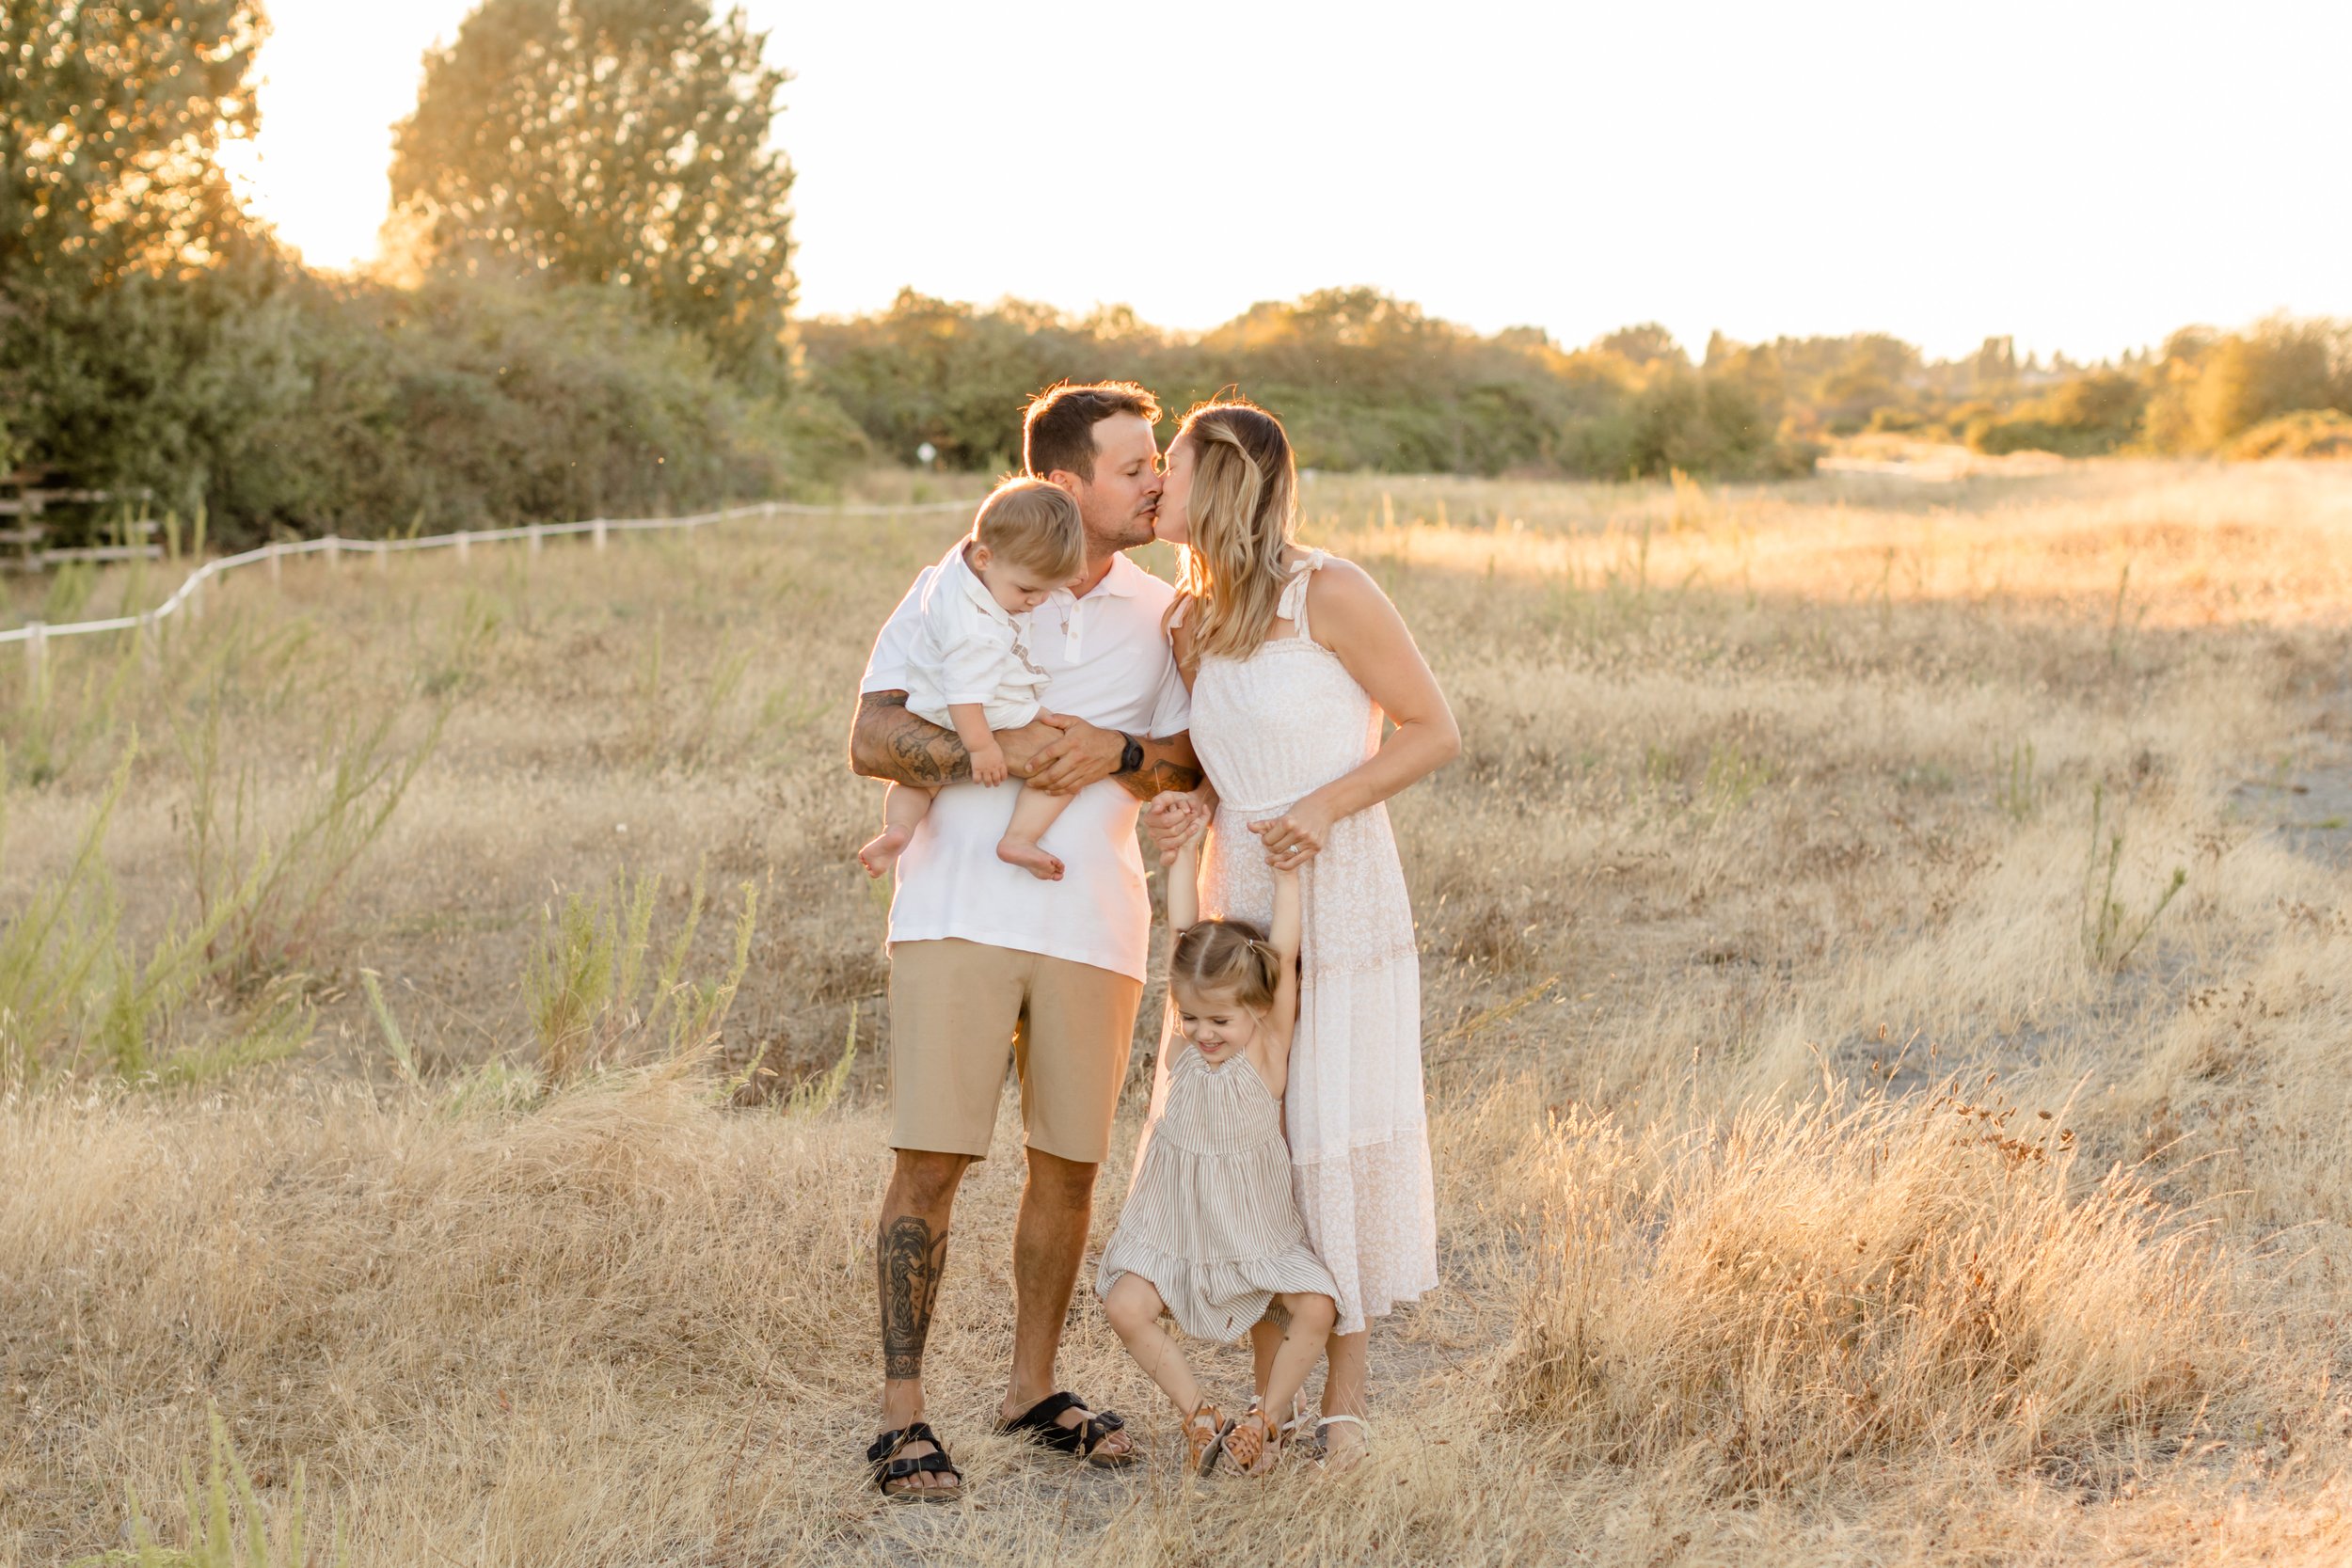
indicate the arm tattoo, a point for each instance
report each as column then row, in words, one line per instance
column 908, row 1260
column 888, row 742
column 1159, row 771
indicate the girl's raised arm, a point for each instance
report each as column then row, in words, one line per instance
column 1283, row 936
column 1183, row 888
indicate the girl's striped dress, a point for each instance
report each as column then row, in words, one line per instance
column 1209, row 1220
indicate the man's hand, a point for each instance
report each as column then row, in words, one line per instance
column 1080, row 757
column 1025, row 745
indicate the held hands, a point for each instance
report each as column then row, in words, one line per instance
column 1176, row 818
column 1297, row 836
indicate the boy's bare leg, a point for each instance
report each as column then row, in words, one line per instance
column 1032, row 814
column 1134, row 1308
column 903, row 810
column 910, row 1255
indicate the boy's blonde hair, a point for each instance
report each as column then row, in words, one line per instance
column 1227, row 956
column 1035, row 525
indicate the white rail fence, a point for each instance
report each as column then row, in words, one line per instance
column 189, row 596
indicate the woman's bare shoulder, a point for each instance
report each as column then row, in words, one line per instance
column 1343, row 590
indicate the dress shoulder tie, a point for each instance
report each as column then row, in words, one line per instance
column 1293, row 605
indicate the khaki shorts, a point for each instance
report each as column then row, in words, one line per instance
column 961, row 1011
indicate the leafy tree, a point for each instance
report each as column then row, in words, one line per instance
column 611, row 141
column 122, row 248
column 109, row 130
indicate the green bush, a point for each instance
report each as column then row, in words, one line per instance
column 2090, row 414
column 2305, row 432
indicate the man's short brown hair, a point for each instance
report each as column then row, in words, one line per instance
column 1057, row 428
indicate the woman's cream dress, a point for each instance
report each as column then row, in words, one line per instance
column 1269, row 729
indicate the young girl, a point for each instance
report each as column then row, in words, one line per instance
column 1211, row 1234
column 970, row 669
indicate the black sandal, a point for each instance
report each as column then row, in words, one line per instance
column 1043, row 1426
column 888, row 1466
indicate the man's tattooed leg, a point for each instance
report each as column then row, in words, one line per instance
column 907, row 1262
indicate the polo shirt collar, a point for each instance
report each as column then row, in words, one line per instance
column 1120, row 582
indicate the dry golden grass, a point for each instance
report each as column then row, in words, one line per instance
column 1772, row 835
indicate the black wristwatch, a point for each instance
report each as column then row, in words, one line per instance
column 1130, row 756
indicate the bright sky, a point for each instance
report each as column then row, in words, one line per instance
column 2084, row 175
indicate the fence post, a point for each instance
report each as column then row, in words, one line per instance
column 534, row 538
column 383, row 558
column 465, row 548
column 335, row 551
column 597, row 533
column 35, row 653
column 277, row 566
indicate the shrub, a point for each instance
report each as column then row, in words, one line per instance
column 2305, row 432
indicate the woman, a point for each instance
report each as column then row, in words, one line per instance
column 1292, row 657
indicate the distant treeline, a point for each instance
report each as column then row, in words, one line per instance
column 1364, row 381
column 586, row 308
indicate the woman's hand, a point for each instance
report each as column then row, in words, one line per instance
column 1297, row 835
column 1176, row 818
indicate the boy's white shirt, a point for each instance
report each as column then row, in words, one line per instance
column 971, row 649
column 1106, row 661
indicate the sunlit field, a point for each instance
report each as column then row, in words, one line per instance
column 1888, row 964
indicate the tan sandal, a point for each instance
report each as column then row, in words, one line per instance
column 1204, row 1436
column 1252, row 1439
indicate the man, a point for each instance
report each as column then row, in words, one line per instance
column 991, row 966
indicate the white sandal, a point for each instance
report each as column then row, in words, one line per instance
column 1323, row 1443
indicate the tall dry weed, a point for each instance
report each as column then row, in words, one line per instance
column 1801, row 1291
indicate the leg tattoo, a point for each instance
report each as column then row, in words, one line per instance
column 907, row 1262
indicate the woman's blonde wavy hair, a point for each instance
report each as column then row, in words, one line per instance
column 1244, row 498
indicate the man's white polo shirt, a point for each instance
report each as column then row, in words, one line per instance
column 1108, row 664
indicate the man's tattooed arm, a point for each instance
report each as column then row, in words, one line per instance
column 909, row 1259
column 888, row 742
column 1166, row 765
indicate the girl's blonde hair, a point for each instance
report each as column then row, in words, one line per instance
column 1035, row 524
column 1227, row 956
column 1245, row 495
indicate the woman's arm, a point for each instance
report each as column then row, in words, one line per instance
column 1356, row 621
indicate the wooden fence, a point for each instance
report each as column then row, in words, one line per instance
column 189, row 596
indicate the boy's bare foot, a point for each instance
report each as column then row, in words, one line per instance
column 881, row 851
column 1029, row 858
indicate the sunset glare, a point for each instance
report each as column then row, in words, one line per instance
column 2086, row 176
